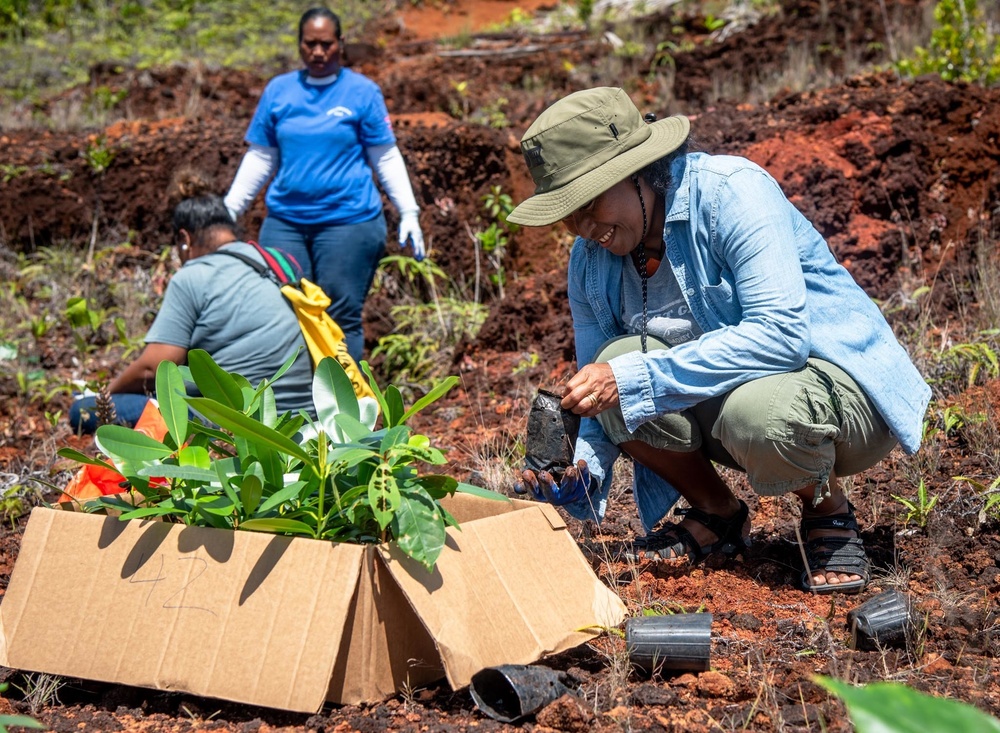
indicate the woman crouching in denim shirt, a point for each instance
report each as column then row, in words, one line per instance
column 713, row 326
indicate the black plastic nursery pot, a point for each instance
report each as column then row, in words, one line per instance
column 514, row 691
column 882, row 621
column 552, row 434
column 672, row 643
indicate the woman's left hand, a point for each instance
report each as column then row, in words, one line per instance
column 411, row 235
column 591, row 390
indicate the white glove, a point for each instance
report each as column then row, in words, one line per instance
column 409, row 229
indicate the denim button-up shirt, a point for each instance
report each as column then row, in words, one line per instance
column 768, row 293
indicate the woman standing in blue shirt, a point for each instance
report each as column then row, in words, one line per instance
column 713, row 326
column 320, row 132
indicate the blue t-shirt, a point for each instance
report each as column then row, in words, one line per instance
column 321, row 132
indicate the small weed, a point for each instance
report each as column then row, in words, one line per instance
column 460, row 106
column 962, row 47
column 9, row 171
column 99, row 155
column 41, row 690
column 529, row 362
column 990, row 493
column 493, row 240
column 918, row 510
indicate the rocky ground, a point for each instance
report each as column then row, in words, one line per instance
column 902, row 178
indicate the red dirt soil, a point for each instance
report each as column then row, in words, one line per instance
column 903, row 179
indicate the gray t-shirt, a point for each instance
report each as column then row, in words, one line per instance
column 668, row 315
column 222, row 305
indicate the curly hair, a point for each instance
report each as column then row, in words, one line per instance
column 196, row 208
column 657, row 173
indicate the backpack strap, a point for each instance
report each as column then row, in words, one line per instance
column 285, row 267
column 262, row 270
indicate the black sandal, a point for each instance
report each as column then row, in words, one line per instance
column 676, row 539
column 835, row 554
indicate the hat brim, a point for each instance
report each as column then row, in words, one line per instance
column 547, row 208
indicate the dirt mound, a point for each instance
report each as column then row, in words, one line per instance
column 887, row 170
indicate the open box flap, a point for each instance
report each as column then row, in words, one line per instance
column 242, row 616
column 507, row 589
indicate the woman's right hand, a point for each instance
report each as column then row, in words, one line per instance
column 591, row 390
column 573, row 485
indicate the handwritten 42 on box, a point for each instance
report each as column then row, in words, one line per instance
column 292, row 622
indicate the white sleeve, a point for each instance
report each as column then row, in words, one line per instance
column 258, row 165
column 387, row 162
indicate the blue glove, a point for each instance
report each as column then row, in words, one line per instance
column 572, row 485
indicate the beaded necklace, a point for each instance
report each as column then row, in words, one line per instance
column 641, row 256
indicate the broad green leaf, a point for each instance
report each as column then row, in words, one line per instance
column 350, row 428
column 186, row 473
column 194, row 456
column 891, row 707
column 75, row 455
column 394, row 403
column 419, row 527
column 278, row 525
column 268, row 408
column 279, row 497
column 214, row 382
column 415, row 453
column 224, row 470
column 108, row 502
column 383, row 495
column 419, row 441
column 368, row 407
column 274, row 464
column 247, row 427
column 130, row 445
column 214, row 434
column 251, row 489
column 449, row 519
column 436, row 393
column 437, row 485
column 170, row 396
column 287, row 365
column 333, row 393
column 480, row 492
column 398, row 435
column 214, row 504
column 349, row 455
column 19, row 721
column 203, row 518
column 379, row 396
column 148, row 511
column 289, row 426
column 250, row 401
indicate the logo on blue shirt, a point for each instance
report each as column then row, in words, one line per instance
column 340, row 111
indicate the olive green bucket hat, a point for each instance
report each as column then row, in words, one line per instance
column 583, row 145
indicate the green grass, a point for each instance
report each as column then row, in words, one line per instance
column 49, row 46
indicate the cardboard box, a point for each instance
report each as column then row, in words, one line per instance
column 290, row 623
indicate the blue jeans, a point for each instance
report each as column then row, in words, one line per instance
column 341, row 259
column 128, row 407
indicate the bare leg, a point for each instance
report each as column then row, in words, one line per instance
column 694, row 476
column 836, row 503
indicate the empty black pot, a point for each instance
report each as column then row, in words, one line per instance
column 552, row 435
column 674, row 643
column 513, row 691
column 882, row 621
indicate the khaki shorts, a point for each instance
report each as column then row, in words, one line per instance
column 786, row 431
